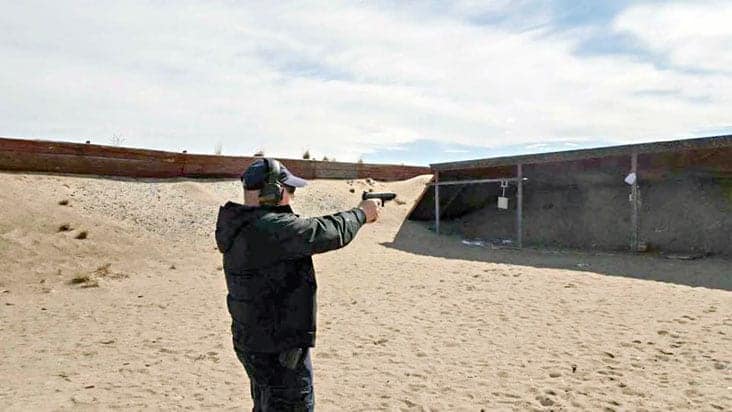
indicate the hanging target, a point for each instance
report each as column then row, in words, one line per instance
column 502, row 199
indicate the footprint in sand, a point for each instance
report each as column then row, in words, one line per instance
column 506, row 394
column 612, row 408
column 417, row 387
column 545, row 400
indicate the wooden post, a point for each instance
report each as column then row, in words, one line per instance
column 437, row 202
column 634, row 204
column 520, row 206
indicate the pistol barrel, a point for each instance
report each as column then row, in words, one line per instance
column 383, row 196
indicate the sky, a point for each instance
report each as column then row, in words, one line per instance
column 384, row 81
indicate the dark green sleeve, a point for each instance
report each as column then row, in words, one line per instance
column 299, row 237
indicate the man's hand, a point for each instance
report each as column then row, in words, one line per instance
column 371, row 209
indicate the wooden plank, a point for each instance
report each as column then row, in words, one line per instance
column 40, row 146
column 80, row 158
column 56, row 163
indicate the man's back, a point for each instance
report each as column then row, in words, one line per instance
column 269, row 271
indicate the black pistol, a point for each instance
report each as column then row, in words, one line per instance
column 384, row 196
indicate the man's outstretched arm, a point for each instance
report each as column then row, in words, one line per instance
column 309, row 236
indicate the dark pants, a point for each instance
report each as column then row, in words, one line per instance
column 277, row 388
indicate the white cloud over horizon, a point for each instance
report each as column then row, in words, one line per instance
column 346, row 80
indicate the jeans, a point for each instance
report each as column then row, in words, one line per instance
column 275, row 387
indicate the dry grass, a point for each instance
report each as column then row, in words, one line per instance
column 104, row 271
column 91, row 280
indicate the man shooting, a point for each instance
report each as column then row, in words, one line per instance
column 271, row 281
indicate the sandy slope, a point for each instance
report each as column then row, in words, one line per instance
column 407, row 321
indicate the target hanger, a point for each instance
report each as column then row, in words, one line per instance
column 502, row 199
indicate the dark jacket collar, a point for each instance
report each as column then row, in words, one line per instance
column 233, row 217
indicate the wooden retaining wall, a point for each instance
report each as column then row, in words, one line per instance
column 91, row 159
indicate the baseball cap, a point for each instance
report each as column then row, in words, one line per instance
column 256, row 175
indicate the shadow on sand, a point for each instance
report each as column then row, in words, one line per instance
column 709, row 272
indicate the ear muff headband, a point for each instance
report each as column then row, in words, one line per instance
column 271, row 193
column 273, row 171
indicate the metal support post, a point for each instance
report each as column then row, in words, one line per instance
column 634, row 204
column 520, row 206
column 437, row 202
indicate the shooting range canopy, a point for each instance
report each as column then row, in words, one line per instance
column 582, row 196
column 625, row 150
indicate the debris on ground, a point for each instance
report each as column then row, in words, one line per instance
column 491, row 243
column 84, row 281
column 684, row 256
column 91, row 280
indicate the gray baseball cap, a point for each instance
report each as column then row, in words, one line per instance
column 256, row 175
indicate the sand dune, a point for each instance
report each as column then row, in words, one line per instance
column 133, row 315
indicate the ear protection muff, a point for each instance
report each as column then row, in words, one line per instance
column 272, row 191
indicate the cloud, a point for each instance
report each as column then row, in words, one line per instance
column 344, row 80
column 694, row 36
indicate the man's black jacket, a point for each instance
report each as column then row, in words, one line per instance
column 269, row 271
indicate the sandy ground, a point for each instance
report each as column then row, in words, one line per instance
column 407, row 321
